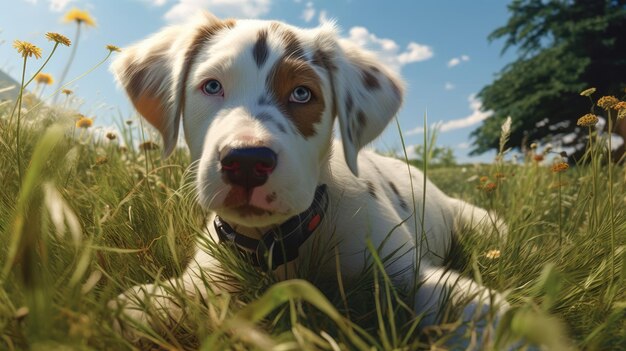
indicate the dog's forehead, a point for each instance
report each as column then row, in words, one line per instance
column 262, row 42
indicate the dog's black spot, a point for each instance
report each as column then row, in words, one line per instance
column 401, row 201
column 369, row 80
column 260, row 51
column 371, row 189
column 264, row 100
column 267, row 117
column 349, row 103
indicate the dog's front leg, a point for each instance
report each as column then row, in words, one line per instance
column 480, row 308
column 160, row 306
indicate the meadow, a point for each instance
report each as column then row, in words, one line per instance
column 86, row 214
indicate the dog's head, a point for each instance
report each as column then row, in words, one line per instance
column 258, row 101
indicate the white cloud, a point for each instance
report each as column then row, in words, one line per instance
column 53, row 5
column 388, row 50
column 157, row 2
column 449, row 86
column 185, row 9
column 473, row 118
column 456, row 60
column 464, row 145
column 308, row 13
column 58, row 5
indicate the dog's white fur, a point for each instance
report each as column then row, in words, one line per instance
column 374, row 200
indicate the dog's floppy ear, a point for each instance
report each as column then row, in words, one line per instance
column 367, row 93
column 154, row 72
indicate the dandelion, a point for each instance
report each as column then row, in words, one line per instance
column 560, row 167
column 58, row 38
column 27, row 49
column 44, row 78
column 67, row 92
column 587, row 120
column 79, row 16
column 111, row 136
column 588, row 92
column 84, row 122
column 113, row 48
column 148, row 145
column 493, row 254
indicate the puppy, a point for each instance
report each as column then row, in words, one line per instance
column 258, row 101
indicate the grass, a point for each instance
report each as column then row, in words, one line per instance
column 91, row 219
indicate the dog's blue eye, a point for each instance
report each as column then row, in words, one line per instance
column 300, row 95
column 212, row 87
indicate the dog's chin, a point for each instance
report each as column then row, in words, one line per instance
column 251, row 216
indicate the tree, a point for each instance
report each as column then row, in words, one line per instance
column 564, row 47
column 442, row 156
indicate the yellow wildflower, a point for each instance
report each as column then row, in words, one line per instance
column 27, row 49
column 588, row 92
column 587, row 120
column 607, row 102
column 100, row 160
column 113, row 48
column 79, row 16
column 58, row 38
column 490, row 187
column 499, row 175
column 621, row 107
column 148, row 145
column 44, row 78
column 493, row 254
column 84, row 122
column 560, row 167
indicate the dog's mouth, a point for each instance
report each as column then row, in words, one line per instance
column 248, row 210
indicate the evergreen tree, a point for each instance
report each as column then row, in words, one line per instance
column 564, row 47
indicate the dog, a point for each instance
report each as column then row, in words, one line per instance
column 258, row 101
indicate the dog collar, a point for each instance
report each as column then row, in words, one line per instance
column 280, row 245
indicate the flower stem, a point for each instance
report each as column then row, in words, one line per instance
column 33, row 77
column 73, row 81
column 69, row 61
column 19, row 117
column 612, row 220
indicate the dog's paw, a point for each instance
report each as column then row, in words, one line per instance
column 130, row 318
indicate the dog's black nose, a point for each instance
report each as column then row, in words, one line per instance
column 248, row 167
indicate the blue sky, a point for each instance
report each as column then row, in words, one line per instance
column 440, row 48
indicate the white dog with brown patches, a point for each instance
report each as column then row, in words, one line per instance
column 258, row 101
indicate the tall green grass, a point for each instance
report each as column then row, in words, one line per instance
column 91, row 219
column 84, row 217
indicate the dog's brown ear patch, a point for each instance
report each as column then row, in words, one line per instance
column 155, row 84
